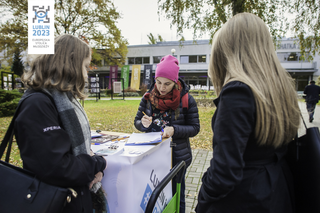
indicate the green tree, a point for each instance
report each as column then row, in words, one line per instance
column 94, row 19
column 207, row 16
column 17, row 65
column 307, row 26
column 153, row 39
column 160, row 38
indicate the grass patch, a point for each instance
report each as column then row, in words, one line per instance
column 118, row 116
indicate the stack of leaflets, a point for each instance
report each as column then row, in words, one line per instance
column 101, row 138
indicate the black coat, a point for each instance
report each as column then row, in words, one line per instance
column 243, row 177
column 187, row 125
column 48, row 154
column 312, row 92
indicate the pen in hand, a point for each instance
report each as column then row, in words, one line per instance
column 146, row 115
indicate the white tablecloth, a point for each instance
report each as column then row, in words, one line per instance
column 132, row 175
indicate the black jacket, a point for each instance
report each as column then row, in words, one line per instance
column 187, row 125
column 312, row 92
column 243, row 177
column 48, row 154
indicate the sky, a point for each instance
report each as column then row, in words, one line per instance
column 140, row 18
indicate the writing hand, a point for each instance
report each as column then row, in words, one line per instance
column 146, row 121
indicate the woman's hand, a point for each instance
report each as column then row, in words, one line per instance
column 97, row 178
column 146, row 121
column 168, row 132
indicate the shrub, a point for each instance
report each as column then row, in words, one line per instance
column 8, row 108
column 9, row 100
column 108, row 92
column 8, row 95
column 129, row 89
column 129, row 94
column 204, row 102
column 143, row 89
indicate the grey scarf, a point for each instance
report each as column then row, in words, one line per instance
column 74, row 121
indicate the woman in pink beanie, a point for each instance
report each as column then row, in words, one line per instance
column 166, row 110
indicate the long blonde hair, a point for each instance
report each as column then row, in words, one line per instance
column 63, row 70
column 243, row 50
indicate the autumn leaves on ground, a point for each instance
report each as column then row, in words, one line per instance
column 118, row 116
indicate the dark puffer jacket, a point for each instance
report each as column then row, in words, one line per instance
column 185, row 126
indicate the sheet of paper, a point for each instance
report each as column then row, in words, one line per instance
column 94, row 134
column 144, row 138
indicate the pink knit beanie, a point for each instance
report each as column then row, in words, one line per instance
column 168, row 68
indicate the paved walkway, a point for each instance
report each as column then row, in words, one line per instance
column 201, row 161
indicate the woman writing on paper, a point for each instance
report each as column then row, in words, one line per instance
column 168, row 107
column 52, row 129
column 257, row 115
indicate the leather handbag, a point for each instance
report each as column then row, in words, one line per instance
column 21, row 191
column 303, row 158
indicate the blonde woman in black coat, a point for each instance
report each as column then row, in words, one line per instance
column 257, row 115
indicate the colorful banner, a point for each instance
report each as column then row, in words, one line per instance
column 135, row 77
column 40, row 27
column 147, row 77
column 113, row 74
column 125, row 75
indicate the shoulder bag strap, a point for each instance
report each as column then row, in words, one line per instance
column 303, row 121
column 9, row 134
column 185, row 103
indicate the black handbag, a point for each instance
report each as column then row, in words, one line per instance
column 303, row 158
column 21, row 191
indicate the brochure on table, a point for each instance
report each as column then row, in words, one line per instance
column 133, row 145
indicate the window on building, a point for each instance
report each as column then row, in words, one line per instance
column 130, row 60
column 156, row 59
column 293, row 57
column 138, row 60
column 202, row 58
column 192, row 59
column 146, row 60
column 185, row 59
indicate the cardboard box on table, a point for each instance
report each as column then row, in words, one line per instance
column 132, row 175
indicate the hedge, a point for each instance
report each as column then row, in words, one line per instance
column 9, row 100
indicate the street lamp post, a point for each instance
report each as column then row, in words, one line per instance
column 173, row 51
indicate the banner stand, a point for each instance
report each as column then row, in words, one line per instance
column 122, row 80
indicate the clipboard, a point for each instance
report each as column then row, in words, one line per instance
column 148, row 138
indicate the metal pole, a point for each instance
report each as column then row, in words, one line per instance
column 97, row 84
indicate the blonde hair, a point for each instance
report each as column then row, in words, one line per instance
column 63, row 70
column 243, row 50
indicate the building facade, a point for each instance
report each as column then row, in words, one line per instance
column 193, row 57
